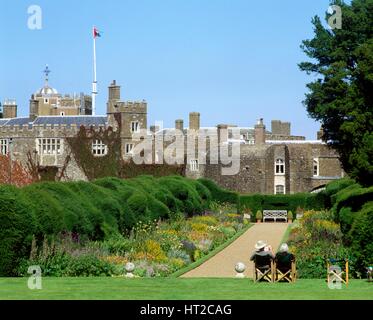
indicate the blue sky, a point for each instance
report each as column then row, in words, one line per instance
column 234, row 61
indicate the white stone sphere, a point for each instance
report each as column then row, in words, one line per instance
column 130, row 267
column 240, row 267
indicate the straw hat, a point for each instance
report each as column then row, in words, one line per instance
column 260, row 245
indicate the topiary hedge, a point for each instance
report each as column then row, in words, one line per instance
column 92, row 210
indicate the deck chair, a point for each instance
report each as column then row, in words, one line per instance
column 285, row 268
column 263, row 268
column 341, row 273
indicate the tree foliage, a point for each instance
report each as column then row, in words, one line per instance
column 341, row 97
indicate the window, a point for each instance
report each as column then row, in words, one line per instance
column 99, row 148
column 135, row 126
column 50, row 146
column 129, row 147
column 62, row 113
column 280, row 189
column 316, row 168
column 4, row 146
column 194, row 165
column 46, row 100
column 280, row 166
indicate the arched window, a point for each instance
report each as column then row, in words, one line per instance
column 280, row 189
column 280, row 167
column 316, row 168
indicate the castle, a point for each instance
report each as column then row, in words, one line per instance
column 270, row 162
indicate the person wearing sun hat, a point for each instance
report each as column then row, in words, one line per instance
column 262, row 255
column 284, row 258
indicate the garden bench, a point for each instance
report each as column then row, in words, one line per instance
column 275, row 215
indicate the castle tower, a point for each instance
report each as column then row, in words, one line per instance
column 260, row 133
column 10, row 109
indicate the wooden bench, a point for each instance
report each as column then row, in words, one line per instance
column 275, row 215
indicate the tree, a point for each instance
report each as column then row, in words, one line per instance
column 18, row 176
column 341, row 97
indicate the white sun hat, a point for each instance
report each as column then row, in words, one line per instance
column 260, row 245
column 284, row 248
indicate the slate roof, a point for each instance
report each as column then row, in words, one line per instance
column 57, row 120
column 69, row 120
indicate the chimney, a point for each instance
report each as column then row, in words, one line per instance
column 222, row 133
column 114, row 91
column 114, row 97
column 179, row 125
column 154, row 129
column 194, row 120
column 260, row 133
column 320, row 134
column 10, row 109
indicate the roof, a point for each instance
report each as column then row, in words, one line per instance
column 14, row 122
column 69, row 120
column 57, row 120
column 295, row 142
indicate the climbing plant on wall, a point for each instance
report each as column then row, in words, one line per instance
column 96, row 166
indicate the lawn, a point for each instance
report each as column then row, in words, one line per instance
column 179, row 289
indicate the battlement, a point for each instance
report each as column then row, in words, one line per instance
column 35, row 130
column 133, row 106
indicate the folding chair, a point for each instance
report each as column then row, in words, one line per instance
column 285, row 273
column 263, row 268
column 336, row 272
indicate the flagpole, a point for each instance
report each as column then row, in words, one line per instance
column 94, row 84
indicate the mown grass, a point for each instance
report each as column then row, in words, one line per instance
column 179, row 289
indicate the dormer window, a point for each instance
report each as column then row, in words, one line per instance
column 280, row 167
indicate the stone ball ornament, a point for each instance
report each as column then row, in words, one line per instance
column 240, row 269
column 129, row 267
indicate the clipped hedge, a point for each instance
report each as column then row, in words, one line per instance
column 218, row 194
column 259, row 202
column 91, row 210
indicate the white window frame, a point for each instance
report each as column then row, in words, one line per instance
column 280, row 169
column 46, row 101
column 280, row 186
column 316, row 167
column 62, row 113
column 4, row 147
column 99, row 149
column 50, row 146
column 194, row 165
column 129, row 148
column 135, row 126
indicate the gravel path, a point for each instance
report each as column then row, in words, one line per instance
column 222, row 265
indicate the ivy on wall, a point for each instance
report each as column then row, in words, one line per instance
column 96, row 166
column 112, row 164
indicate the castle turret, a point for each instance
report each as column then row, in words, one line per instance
column 260, row 133
column 10, row 109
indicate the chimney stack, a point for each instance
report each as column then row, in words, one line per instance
column 179, row 125
column 260, row 133
column 194, row 121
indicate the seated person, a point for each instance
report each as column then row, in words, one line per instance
column 262, row 256
column 284, row 258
